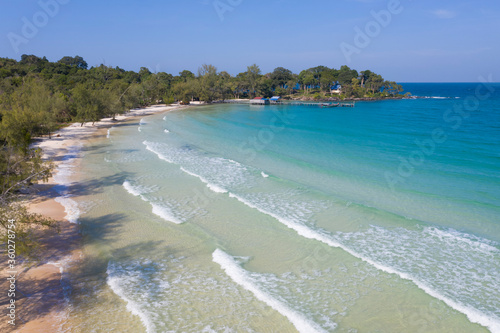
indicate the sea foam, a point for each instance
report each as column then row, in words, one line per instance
column 165, row 213
column 243, row 278
column 62, row 177
column 213, row 187
column 474, row 315
column 162, row 210
column 215, row 167
column 216, row 172
column 116, row 282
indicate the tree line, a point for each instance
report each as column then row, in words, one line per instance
column 37, row 95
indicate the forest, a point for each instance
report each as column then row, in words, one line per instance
column 38, row 96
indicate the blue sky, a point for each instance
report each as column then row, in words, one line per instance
column 419, row 41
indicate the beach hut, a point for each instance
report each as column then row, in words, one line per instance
column 275, row 100
column 337, row 89
column 259, row 101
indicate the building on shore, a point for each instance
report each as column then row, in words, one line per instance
column 259, row 101
column 337, row 89
column 275, row 100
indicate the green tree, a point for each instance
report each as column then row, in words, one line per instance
column 345, row 75
column 186, row 75
column 374, row 83
column 208, row 82
column 392, row 88
column 253, row 78
column 76, row 61
column 327, row 79
column 280, row 76
column 89, row 103
column 18, row 170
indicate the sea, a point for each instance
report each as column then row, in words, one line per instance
column 384, row 217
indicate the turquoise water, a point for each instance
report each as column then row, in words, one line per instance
column 235, row 218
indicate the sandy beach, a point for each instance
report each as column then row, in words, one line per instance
column 42, row 287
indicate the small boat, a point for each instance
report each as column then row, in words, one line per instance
column 329, row 105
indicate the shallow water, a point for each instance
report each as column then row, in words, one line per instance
column 235, row 218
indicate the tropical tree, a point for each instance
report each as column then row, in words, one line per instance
column 280, row 76
column 345, row 75
column 253, row 78
column 18, row 170
column 186, row 75
column 76, row 61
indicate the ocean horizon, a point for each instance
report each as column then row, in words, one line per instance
column 384, row 217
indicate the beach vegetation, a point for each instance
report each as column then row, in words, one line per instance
column 19, row 169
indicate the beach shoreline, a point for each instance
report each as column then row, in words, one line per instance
column 42, row 287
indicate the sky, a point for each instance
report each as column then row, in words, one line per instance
column 403, row 40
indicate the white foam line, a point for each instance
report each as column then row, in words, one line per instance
column 70, row 208
column 211, row 186
column 66, row 287
column 160, row 156
column 474, row 315
column 241, row 277
column 165, row 213
column 166, row 131
column 263, row 174
column 135, row 308
column 132, row 190
column 161, row 211
column 62, row 179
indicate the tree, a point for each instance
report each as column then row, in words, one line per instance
column 317, row 72
column 291, row 84
column 280, row 76
column 29, row 112
column 253, row 76
column 308, row 80
column 186, row 75
column 89, row 103
column 76, row 61
column 17, row 171
column 265, row 87
column 144, row 73
column 345, row 75
column 208, row 82
column 363, row 76
column 186, row 91
column 327, row 79
column 374, row 83
column 392, row 88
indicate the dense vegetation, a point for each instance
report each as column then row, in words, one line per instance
column 38, row 96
